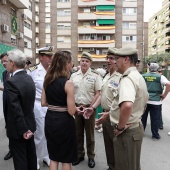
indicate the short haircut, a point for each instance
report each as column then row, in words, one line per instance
column 3, row 55
column 18, row 57
column 133, row 58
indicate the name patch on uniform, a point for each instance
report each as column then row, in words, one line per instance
column 112, row 83
column 90, row 79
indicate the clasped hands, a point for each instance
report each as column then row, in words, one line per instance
column 86, row 112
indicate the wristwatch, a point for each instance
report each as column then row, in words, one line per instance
column 122, row 129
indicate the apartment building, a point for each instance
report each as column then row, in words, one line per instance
column 159, row 30
column 16, row 27
column 90, row 25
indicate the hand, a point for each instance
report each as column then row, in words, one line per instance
column 80, row 110
column 163, row 96
column 88, row 112
column 27, row 135
column 104, row 116
column 1, row 88
column 117, row 132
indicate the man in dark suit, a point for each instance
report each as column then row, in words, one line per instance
column 20, row 118
column 5, row 76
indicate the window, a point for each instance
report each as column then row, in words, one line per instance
column 26, row 24
column 129, row 25
column 47, row 15
column 47, row 36
column 129, row 38
column 129, row 11
column 13, row 39
column 67, row 12
column 65, row 26
column 25, row 44
column 47, row 26
column 62, row 12
column 86, row 9
column 47, row 4
column 60, row 39
column 104, row 51
column 30, row 6
column 13, row 12
column 86, row 37
column 106, row 37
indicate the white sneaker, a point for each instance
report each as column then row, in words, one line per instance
column 169, row 133
column 38, row 166
column 100, row 130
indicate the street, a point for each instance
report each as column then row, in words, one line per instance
column 155, row 154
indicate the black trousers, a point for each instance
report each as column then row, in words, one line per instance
column 155, row 113
column 24, row 154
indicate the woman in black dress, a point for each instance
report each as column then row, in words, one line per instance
column 58, row 95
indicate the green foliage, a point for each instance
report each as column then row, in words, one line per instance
column 159, row 58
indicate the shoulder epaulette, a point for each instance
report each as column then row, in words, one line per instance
column 94, row 71
column 33, row 68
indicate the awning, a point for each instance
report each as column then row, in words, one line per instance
column 105, row 7
column 106, row 21
column 5, row 48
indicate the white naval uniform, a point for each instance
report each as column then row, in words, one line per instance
column 40, row 141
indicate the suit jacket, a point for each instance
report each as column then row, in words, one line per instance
column 21, row 96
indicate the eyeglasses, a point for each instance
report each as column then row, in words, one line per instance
column 110, row 58
column 117, row 57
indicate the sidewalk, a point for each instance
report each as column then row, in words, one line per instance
column 155, row 154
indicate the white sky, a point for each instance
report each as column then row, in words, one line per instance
column 151, row 7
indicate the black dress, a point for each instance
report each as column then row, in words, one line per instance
column 60, row 130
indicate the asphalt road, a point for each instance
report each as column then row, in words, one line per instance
column 155, row 154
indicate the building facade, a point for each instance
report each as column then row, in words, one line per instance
column 17, row 26
column 159, row 30
column 90, row 25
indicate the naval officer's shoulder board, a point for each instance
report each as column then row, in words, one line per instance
column 33, row 68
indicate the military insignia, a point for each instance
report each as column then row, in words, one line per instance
column 33, row 68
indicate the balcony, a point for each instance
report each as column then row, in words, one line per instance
column 85, row 3
column 21, row 4
column 96, row 29
column 96, row 43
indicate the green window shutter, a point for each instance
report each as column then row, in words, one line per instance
column 106, row 21
column 105, row 7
